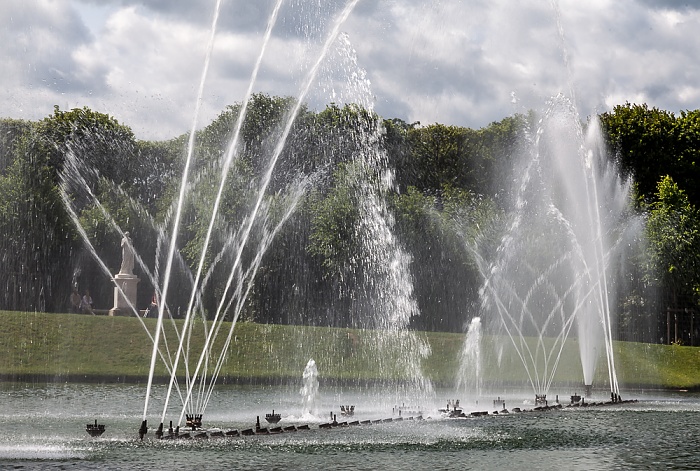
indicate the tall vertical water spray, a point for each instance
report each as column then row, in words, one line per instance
column 469, row 379
column 385, row 294
column 553, row 270
column 309, row 390
column 384, row 298
column 238, row 284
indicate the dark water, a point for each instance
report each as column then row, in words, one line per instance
column 44, row 428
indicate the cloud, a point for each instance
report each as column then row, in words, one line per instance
column 638, row 54
column 448, row 61
column 37, row 39
column 679, row 5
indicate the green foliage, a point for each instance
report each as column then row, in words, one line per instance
column 449, row 197
column 651, row 143
column 157, row 166
column 332, row 238
column 37, row 234
column 102, row 145
column 436, row 152
column 437, row 156
column 11, row 132
column 673, row 231
column 660, row 151
column 40, row 237
column 340, row 135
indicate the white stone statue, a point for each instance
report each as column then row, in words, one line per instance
column 127, row 267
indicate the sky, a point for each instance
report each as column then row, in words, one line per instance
column 463, row 63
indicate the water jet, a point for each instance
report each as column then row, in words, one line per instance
column 551, row 276
column 511, row 300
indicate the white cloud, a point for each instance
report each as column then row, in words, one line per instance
column 448, row 61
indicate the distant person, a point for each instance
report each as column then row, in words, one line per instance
column 75, row 301
column 152, row 310
column 86, row 303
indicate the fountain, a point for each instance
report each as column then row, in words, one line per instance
column 550, row 272
column 550, row 281
column 385, row 302
column 95, row 430
column 309, row 390
column 469, row 379
column 554, row 270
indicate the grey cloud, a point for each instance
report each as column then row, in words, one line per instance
column 679, row 5
column 40, row 43
column 391, row 106
column 298, row 18
column 234, row 15
column 455, row 61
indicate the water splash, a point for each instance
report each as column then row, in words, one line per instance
column 228, row 160
column 387, row 289
column 553, row 269
column 309, row 391
column 470, row 378
column 178, row 213
column 253, row 216
column 385, row 302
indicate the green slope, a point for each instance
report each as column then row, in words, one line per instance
column 70, row 347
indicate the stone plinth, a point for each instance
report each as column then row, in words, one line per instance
column 127, row 283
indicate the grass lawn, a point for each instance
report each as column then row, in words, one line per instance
column 73, row 347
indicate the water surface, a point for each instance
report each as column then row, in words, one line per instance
column 44, row 428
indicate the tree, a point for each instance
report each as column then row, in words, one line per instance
column 37, row 233
column 69, row 151
column 156, row 173
column 438, row 157
column 686, row 135
column 673, row 231
column 650, row 143
column 492, row 160
column 11, row 132
column 446, row 279
column 333, row 226
column 397, row 147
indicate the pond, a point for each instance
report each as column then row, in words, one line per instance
column 44, row 428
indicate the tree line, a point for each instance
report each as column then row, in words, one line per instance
column 69, row 180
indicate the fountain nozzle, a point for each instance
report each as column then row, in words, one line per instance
column 143, row 430
column 540, row 399
column 587, row 389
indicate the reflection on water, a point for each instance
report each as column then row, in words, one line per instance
column 44, row 428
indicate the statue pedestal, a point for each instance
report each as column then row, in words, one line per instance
column 124, row 304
